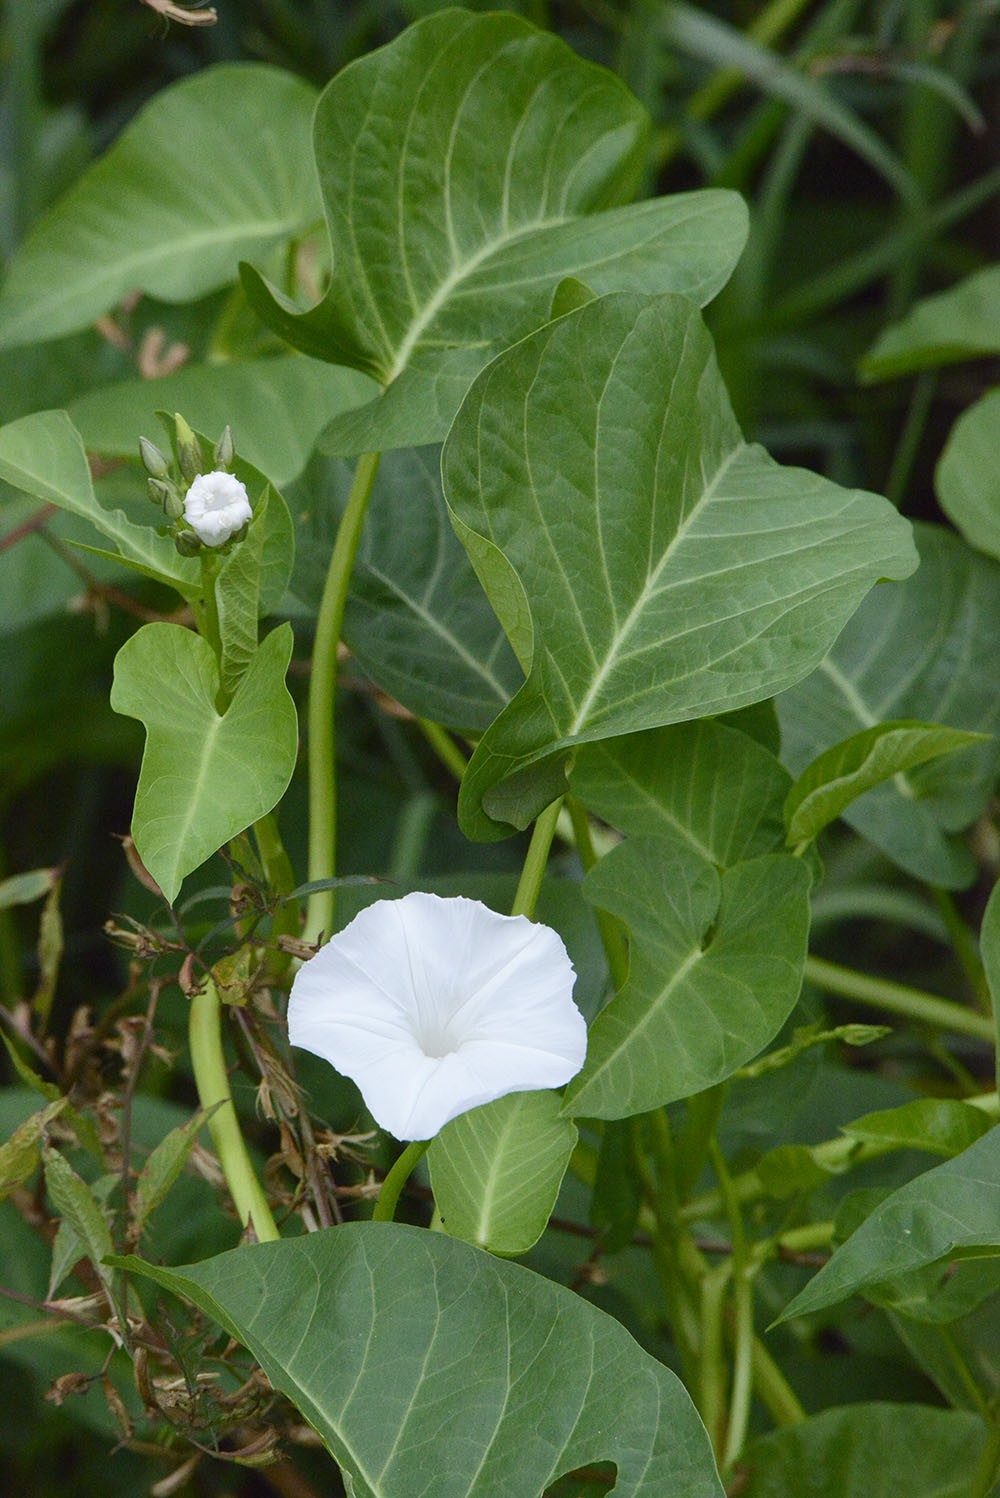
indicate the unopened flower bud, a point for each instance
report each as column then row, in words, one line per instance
column 165, row 494
column 188, row 543
column 224, row 451
column 188, row 449
column 153, row 460
column 217, row 507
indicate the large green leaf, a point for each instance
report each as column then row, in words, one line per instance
column 44, row 455
column 276, row 408
column 954, row 1207
column 205, row 776
column 929, row 650
column 942, row 1126
column 215, row 168
column 496, row 1170
column 451, row 230
column 868, row 1451
column 960, row 323
column 966, row 480
column 716, row 968
column 713, row 787
column 648, row 565
column 429, row 1367
column 867, row 759
column 989, row 941
column 417, row 619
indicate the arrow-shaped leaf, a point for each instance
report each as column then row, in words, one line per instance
column 205, row 776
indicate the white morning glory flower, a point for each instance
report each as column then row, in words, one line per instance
column 216, row 506
column 435, row 1006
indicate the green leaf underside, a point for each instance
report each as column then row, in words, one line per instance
column 215, row 168
column 496, row 1170
column 648, row 564
column 277, row 408
column 858, row 764
column 450, row 234
column 417, row 620
column 943, row 1126
column 716, row 968
column 704, row 783
column 43, row 455
column 868, row 1451
column 967, row 483
column 953, row 1207
column 989, row 942
column 425, row 1366
column 927, row 650
column 960, row 323
column 204, row 777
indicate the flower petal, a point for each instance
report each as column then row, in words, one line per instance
column 435, row 1006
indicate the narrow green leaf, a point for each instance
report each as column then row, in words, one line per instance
column 392, row 1340
column 237, row 594
column 960, row 323
column 888, row 663
column 868, row 1450
column 25, row 889
column 716, row 968
column 19, row 1154
column 277, row 408
column 43, row 455
column 967, row 483
column 162, row 1169
column 450, row 236
column 609, row 435
column 50, row 951
column 709, row 785
column 942, row 1126
column 955, row 1206
column 29, row 1077
column 205, row 776
column 74, row 1200
column 215, row 168
column 496, row 1170
column 858, row 764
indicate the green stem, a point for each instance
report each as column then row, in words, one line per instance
column 385, row 1207
column 537, row 856
column 923, row 1008
column 743, row 1329
column 988, row 1466
column 205, row 1035
column 612, row 930
column 774, row 1390
column 444, row 747
column 712, row 1365
column 322, row 737
column 964, row 943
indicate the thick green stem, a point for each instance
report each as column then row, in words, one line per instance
column 212, row 1081
column 923, row 1008
column 322, row 737
column 775, row 1392
column 385, row 1207
column 743, row 1326
column 984, row 1479
column 537, row 857
column 444, row 747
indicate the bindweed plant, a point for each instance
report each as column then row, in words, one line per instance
column 464, row 416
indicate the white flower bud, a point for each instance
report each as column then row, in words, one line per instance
column 216, row 507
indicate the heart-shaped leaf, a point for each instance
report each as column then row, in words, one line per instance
column 955, row 1206
column 646, row 563
column 858, row 764
column 424, row 1364
column 716, row 968
column 496, row 1170
column 450, row 234
column 891, row 662
column 966, row 478
column 205, row 775
column 215, row 168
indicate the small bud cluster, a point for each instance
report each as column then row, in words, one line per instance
column 211, row 506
